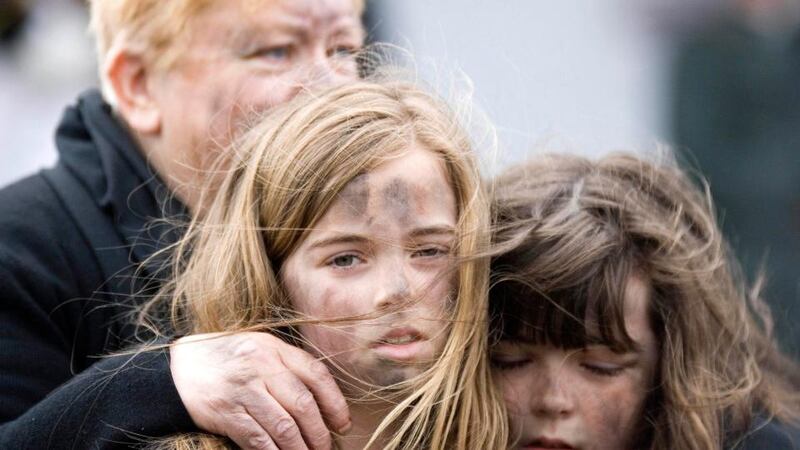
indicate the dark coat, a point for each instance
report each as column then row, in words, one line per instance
column 769, row 435
column 71, row 238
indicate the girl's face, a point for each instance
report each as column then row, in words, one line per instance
column 382, row 251
column 588, row 399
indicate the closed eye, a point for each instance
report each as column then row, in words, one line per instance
column 602, row 369
column 509, row 363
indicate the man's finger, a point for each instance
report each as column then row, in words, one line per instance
column 249, row 435
column 315, row 375
column 299, row 402
column 274, row 418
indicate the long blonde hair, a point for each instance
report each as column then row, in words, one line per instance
column 576, row 230
column 285, row 174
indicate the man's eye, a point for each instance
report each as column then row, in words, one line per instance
column 278, row 53
column 345, row 261
column 603, row 369
column 342, row 51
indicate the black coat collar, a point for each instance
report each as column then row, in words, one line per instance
column 100, row 152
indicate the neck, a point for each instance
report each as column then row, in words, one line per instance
column 190, row 178
column 365, row 418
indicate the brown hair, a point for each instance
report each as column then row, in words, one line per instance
column 573, row 232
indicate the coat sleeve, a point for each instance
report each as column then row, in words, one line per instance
column 55, row 390
column 116, row 403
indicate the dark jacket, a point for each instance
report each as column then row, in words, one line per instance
column 71, row 238
column 769, row 435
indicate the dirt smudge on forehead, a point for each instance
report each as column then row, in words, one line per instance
column 355, row 196
column 397, row 200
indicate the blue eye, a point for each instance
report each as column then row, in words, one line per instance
column 274, row 53
column 345, row 261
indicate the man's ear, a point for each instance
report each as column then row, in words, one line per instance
column 129, row 78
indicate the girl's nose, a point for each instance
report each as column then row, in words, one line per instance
column 552, row 397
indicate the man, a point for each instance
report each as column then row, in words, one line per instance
column 182, row 77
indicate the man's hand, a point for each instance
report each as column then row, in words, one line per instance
column 258, row 390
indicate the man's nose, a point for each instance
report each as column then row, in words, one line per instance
column 552, row 397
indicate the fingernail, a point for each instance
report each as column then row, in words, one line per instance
column 346, row 428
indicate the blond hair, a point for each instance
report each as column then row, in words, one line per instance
column 157, row 29
column 289, row 170
column 575, row 231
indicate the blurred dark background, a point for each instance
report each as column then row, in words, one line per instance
column 718, row 80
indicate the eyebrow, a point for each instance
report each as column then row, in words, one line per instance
column 432, row 230
column 332, row 17
column 296, row 24
column 297, row 27
column 635, row 347
column 444, row 230
column 254, row 30
column 340, row 239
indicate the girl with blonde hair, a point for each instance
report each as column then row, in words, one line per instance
column 350, row 223
column 623, row 320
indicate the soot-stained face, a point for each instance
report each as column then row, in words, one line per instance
column 382, row 253
column 588, row 398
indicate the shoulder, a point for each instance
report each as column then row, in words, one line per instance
column 32, row 215
column 39, row 239
column 21, row 195
column 32, row 212
column 773, row 435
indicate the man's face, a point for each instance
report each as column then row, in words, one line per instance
column 244, row 57
column 381, row 252
column 587, row 399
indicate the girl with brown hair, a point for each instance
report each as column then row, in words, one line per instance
column 623, row 321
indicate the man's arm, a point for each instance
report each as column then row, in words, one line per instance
column 121, row 401
column 52, row 326
column 114, row 400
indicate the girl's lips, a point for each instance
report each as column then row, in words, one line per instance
column 400, row 344
column 400, row 352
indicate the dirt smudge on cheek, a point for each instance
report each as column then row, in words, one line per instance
column 325, row 303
